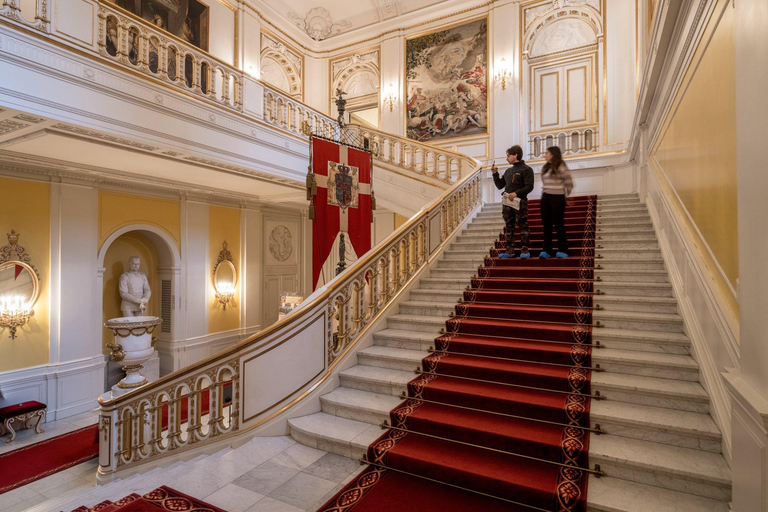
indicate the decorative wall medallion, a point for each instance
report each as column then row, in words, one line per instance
column 281, row 243
column 318, row 23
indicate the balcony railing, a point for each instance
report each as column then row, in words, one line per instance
column 32, row 13
column 574, row 141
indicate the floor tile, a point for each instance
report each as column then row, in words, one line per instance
column 333, row 467
column 272, row 505
column 298, row 456
column 302, row 490
column 266, row 478
column 233, row 498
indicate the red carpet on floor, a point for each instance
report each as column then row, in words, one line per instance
column 162, row 498
column 499, row 417
column 36, row 461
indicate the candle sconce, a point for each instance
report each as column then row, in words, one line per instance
column 19, row 286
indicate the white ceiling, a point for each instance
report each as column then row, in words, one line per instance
column 334, row 17
column 35, row 142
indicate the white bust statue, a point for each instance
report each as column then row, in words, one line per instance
column 134, row 289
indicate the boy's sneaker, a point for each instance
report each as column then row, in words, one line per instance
column 525, row 255
column 507, row 255
column 544, row 255
column 562, row 255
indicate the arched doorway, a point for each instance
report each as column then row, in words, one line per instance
column 161, row 262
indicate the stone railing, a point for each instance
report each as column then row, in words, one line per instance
column 422, row 159
column 31, row 13
column 571, row 141
column 266, row 375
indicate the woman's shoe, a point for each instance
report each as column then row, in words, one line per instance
column 507, row 255
column 544, row 255
column 525, row 255
column 562, row 255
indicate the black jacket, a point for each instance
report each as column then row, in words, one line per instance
column 517, row 179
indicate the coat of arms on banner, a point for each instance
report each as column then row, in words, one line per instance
column 343, row 185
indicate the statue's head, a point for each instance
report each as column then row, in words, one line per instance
column 134, row 263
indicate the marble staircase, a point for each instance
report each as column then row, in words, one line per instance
column 661, row 450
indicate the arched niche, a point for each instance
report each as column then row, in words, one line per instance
column 161, row 262
column 278, row 71
column 565, row 34
column 360, row 82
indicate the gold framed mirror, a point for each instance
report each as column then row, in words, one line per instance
column 224, row 277
column 19, row 285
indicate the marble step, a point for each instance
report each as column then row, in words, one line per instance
column 601, row 215
column 633, row 275
column 624, row 223
column 652, row 391
column 608, row 303
column 687, row 434
column 628, row 362
column 675, row 468
column 647, row 263
column 609, row 494
column 642, row 341
column 638, row 253
column 334, row 434
column 629, row 289
column 436, row 283
column 634, row 320
column 637, row 304
column 428, row 308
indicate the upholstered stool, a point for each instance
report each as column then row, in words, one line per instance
column 24, row 412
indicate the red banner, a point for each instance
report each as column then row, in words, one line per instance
column 342, row 201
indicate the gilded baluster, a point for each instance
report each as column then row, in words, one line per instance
column 225, row 87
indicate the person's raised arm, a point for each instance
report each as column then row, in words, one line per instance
column 497, row 179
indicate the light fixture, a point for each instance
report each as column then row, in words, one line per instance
column 15, row 312
column 389, row 99
column 503, row 75
column 225, row 292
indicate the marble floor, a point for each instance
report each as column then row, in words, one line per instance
column 267, row 474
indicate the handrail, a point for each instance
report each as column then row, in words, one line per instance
column 330, row 322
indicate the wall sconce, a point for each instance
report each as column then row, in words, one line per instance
column 224, row 277
column 14, row 313
column 389, row 99
column 19, row 286
column 503, row 75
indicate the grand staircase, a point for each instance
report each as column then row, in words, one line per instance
column 661, row 451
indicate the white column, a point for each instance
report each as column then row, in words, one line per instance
column 506, row 128
column 748, row 385
column 198, row 269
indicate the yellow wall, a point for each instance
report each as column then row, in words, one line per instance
column 120, row 210
column 223, row 225
column 26, row 207
column 115, row 263
column 697, row 151
column 400, row 220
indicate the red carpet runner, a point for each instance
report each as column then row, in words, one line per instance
column 162, row 498
column 36, row 461
column 498, row 419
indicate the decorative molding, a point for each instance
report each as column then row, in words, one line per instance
column 29, row 119
column 318, row 23
column 532, row 13
column 9, row 125
column 289, row 75
column 358, row 66
column 281, row 243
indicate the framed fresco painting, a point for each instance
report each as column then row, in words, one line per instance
column 186, row 19
column 446, row 83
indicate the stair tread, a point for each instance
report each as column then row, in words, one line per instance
column 696, row 464
column 652, row 385
column 610, row 332
column 614, row 494
column 364, row 400
column 634, row 315
column 693, row 423
column 334, row 428
column 637, row 357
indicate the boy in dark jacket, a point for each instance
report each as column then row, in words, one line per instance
column 517, row 182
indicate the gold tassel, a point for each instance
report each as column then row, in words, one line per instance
column 311, row 211
column 311, row 186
